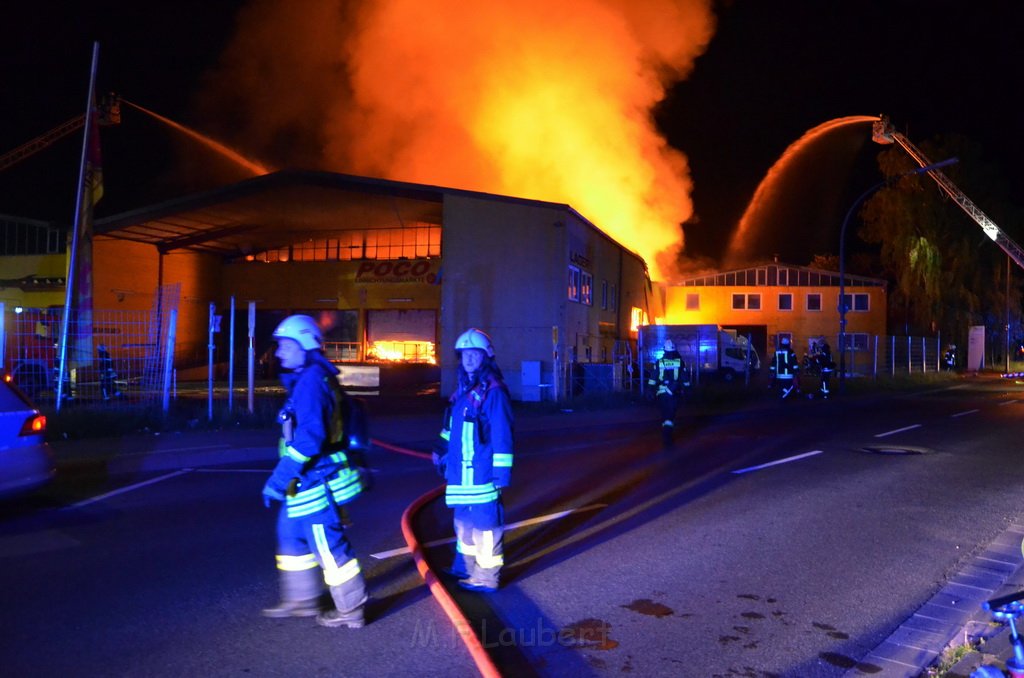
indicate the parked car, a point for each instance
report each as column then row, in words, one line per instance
column 26, row 462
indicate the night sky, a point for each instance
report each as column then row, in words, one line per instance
column 773, row 70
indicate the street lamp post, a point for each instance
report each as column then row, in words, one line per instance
column 842, row 256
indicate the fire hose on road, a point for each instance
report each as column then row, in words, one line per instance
column 459, row 621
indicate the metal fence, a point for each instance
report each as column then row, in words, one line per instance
column 112, row 357
column 880, row 356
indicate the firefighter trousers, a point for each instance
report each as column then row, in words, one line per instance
column 479, row 551
column 318, row 540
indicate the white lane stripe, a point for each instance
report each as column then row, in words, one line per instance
column 1008, row 402
column 778, row 461
column 898, row 430
column 511, row 526
column 251, row 470
column 961, row 414
column 129, row 488
column 161, row 450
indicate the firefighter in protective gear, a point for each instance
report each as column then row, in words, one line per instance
column 823, row 359
column 474, row 454
column 108, row 386
column 784, row 368
column 669, row 381
column 949, row 358
column 312, row 480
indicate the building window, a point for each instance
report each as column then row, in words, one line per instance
column 637, row 317
column 750, row 302
column 574, row 283
column 604, row 295
column 785, row 301
column 857, row 302
column 814, row 302
column 587, row 289
column 857, row 341
column 417, row 241
column 30, row 237
column 613, row 300
column 692, row 302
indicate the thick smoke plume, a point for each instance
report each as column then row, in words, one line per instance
column 530, row 98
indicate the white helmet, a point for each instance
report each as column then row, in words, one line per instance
column 474, row 338
column 302, row 329
column 784, row 340
column 670, row 345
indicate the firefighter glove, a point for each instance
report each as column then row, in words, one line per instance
column 270, row 494
column 440, row 463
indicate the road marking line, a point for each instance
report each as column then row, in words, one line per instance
column 778, row 461
column 898, row 430
column 161, row 450
column 129, row 488
column 961, row 414
column 511, row 526
column 1008, row 402
column 372, row 469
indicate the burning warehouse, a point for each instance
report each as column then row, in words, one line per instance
column 394, row 271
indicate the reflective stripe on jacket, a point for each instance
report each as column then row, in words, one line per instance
column 313, row 462
column 479, row 444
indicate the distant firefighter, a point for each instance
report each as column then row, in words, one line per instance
column 825, row 364
column 669, row 380
column 784, row 369
column 108, row 376
column 949, row 358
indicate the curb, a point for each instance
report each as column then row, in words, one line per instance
column 947, row 618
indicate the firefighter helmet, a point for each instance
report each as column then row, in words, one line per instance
column 784, row 340
column 669, row 345
column 302, row 329
column 474, row 338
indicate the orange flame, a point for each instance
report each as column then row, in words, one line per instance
column 540, row 100
column 402, row 351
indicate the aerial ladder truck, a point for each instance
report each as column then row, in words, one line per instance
column 109, row 110
column 882, row 132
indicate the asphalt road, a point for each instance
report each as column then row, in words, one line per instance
column 787, row 539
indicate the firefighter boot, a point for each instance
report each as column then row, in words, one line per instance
column 300, row 595
column 668, row 433
column 485, row 571
column 349, row 599
column 482, row 579
column 462, row 565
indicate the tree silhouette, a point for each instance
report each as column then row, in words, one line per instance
column 947, row 274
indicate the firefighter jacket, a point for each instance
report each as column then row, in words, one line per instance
column 670, row 378
column 477, row 438
column 313, row 470
column 824, row 360
column 784, row 364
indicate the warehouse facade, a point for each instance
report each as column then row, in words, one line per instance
column 394, row 272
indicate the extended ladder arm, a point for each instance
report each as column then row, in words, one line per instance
column 883, row 133
column 109, row 114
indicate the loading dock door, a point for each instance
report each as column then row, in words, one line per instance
column 404, row 335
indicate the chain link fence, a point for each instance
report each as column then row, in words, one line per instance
column 113, row 358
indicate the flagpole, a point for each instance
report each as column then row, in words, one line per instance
column 90, row 111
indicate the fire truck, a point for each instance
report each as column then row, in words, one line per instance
column 882, row 132
column 30, row 350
